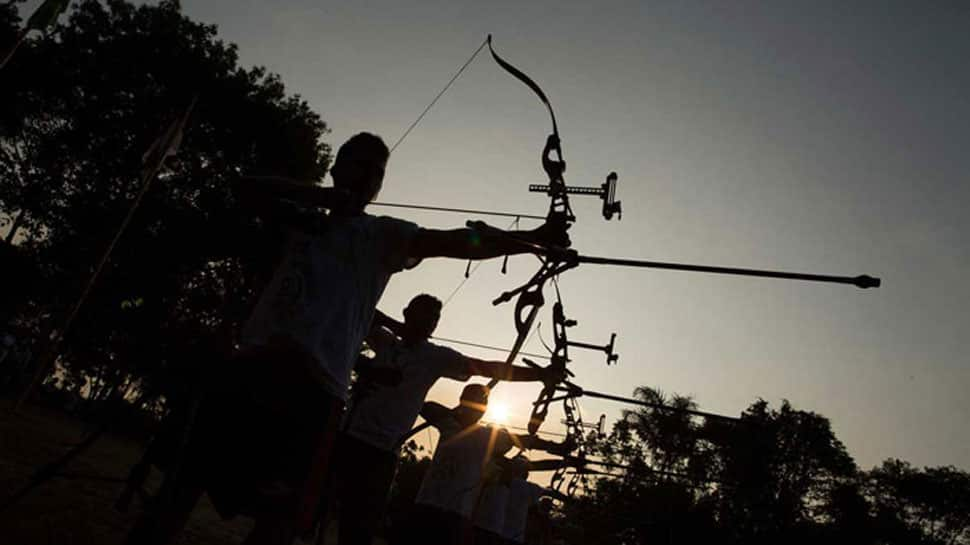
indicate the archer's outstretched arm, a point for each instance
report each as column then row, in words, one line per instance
column 552, row 464
column 485, row 243
column 527, row 441
column 503, row 371
column 435, row 413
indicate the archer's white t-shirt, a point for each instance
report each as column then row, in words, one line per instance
column 380, row 415
column 323, row 294
column 490, row 513
column 522, row 495
column 453, row 481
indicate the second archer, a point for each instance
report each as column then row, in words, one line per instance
column 386, row 400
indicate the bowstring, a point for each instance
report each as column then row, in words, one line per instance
column 440, row 93
column 468, row 270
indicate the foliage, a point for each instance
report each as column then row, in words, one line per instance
column 931, row 505
column 774, row 476
column 80, row 107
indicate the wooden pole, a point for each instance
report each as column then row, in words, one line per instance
column 50, row 353
column 14, row 47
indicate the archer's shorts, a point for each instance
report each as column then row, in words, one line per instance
column 363, row 475
column 429, row 525
column 263, row 438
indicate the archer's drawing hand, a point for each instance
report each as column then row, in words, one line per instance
column 575, row 461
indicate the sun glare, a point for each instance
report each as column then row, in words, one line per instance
column 497, row 413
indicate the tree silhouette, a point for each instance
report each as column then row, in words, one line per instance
column 80, row 108
column 776, row 476
column 783, row 465
column 930, row 506
column 769, row 478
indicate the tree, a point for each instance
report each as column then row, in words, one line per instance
column 80, row 107
column 782, row 465
column 930, row 506
column 771, row 477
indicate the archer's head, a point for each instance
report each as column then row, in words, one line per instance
column 421, row 317
column 359, row 168
column 472, row 405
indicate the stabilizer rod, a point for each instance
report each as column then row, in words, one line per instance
column 575, row 391
column 862, row 281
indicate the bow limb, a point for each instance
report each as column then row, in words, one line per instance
column 519, row 75
column 560, row 357
column 540, row 408
column 552, row 161
column 522, row 335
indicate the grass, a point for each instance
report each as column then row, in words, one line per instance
column 79, row 511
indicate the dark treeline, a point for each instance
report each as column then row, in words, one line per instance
column 777, row 476
column 81, row 105
column 79, row 109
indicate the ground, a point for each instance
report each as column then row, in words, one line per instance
column 79, row 511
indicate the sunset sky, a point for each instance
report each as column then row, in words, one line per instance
column 824, row 137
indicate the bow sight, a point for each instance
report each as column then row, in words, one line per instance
column 606, row 192
column 560, row 321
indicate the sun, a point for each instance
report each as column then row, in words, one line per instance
column 497, row 412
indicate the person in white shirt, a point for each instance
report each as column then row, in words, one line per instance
column 488, row 516
column 446, row 501
column 381, row 413
column 263, row 437
column 523, row 495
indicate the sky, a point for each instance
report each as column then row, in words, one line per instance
column 821, row 137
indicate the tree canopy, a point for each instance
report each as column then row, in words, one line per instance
column 774, row 476
column 80, row 106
